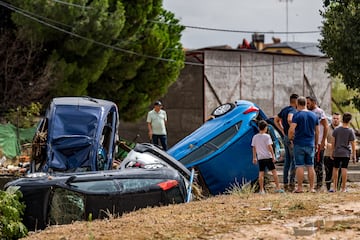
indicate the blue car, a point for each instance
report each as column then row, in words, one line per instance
column 77, row 134
column 220, row 150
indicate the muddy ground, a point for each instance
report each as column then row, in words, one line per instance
column 240, row 215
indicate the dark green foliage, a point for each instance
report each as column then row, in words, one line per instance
column 11, row 210
column 341, row 42
column 126, row 51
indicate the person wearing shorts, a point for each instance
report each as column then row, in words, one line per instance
column 303, row 131
column 343, row 148
column 264, row 154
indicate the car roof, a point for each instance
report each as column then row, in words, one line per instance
column 82, row 101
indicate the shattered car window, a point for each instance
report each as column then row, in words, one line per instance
column 66, row 206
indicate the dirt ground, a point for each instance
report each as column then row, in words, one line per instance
column 240, row 215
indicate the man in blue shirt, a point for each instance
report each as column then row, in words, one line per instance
column 304, row 132
column 282, row 121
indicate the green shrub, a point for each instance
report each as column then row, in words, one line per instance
column 11, row 211
column 24, row 117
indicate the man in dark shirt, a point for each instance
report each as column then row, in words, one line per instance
column 282, row 121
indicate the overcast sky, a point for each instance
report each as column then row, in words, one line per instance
column 246, row 15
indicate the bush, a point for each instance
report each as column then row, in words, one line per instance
column 11, row 210
column 24, row 117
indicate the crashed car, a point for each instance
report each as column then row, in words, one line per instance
column 220, row 150
column 147, row 177
column 76, row 134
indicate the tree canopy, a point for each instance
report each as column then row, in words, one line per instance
column 341, row 42
column 127, row 51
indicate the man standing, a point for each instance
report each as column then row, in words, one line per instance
column 328, row 162
column 156, row 120
column 282, row 121
column 303, row 131
column 320, row 146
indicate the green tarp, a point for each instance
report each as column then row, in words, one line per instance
column 11, row 138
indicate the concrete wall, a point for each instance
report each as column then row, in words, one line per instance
column 267, row 79
column 184, row 104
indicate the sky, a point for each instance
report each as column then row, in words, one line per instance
column 269, row 16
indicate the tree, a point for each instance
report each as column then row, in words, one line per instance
column 341, row 42
column 126, row 51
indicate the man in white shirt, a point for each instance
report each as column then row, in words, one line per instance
column 156, row 121
column 311, row 103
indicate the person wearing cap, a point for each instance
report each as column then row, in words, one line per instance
column 156, row 121
column 312, row 105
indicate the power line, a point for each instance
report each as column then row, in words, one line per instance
column 237, row 31
column 72, row 4
column 28, row 15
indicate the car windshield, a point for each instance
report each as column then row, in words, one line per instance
column 212, row 145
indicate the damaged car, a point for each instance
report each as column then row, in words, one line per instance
column 147, row 177
column 220, row 150
column 76, row 134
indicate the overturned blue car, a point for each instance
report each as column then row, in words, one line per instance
column 76, row 134
column 220, row 150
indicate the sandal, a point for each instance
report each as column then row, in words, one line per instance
column 298, row 191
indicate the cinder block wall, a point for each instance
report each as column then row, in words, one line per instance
column 264, row 78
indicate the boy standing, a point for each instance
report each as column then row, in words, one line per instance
column 263, row 152
column 343, row 147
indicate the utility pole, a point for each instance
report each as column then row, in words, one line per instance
column 287, row 16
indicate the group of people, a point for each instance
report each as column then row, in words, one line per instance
column 310, row 142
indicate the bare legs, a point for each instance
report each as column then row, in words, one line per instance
column 335, row 177
column 300, row 177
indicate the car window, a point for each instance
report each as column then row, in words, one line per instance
column 116, row 185
column 66, row 206
column 278, row 144
column 212, row 145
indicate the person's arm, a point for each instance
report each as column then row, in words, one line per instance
column 324, row 123
column 317, row 131
column 277, row 122
column 353, row 146
column 271, row 150
column 149, row 130
column 254, row 154
column 332, row 149
column 292, row 131
column 289, row 118
column 166, row 119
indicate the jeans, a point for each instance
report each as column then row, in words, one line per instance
column 319, row 165
column 289, row 162
column 162, row 139
column 329, row 165
column 304, row 155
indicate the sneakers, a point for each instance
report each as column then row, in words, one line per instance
column 262, row 192
column 279, row 191
column 331, row 191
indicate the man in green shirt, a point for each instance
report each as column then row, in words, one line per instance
column 156, row 120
